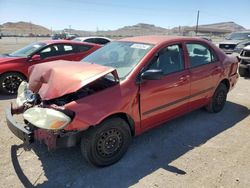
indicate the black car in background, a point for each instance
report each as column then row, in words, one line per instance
column 235, row 42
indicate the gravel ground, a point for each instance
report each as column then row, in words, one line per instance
column 197, row 150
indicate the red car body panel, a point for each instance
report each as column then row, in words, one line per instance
column 152, row 102
column 22, row 64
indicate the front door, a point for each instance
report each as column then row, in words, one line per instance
column 168, row 97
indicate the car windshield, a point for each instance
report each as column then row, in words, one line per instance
column 238, row 36
column 123, row 56
column 27, row 50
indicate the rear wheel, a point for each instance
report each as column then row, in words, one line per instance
column 218, row 100
column 9, row 82
column 106, row 143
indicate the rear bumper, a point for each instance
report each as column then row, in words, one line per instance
column 19, row 130
column 233, row 80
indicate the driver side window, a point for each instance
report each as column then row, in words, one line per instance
column 50, row 51
column 169, row 60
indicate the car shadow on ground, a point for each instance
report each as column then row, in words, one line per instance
column 149, row 152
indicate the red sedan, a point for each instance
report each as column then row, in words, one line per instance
column 119, row 91
column 14, row 66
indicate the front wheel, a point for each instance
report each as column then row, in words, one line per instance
column 106, row 143
column 9, row 82
column 218, row 100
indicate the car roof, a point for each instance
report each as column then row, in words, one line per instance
column 155, row 39
column 247, row 47
column 91, row 37
column 68, row 42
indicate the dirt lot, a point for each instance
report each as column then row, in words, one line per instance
column 197, row 150
column 10, row 44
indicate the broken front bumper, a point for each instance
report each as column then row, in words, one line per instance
column 53, row 140
column 19, row 130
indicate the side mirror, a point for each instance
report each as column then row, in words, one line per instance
column 35, row 57
column 152, row 74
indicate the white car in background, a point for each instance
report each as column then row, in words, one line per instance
column 92, row 39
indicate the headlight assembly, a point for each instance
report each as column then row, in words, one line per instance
column 46, row 118
column 21, row 98
column 24, row 94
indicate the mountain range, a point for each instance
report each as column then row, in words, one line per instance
column 26, row 28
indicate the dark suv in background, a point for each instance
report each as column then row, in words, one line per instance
column 244, row 67
column 235, row 42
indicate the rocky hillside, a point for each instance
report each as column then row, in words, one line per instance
column 149, row 29
column 27, row 29
column 134, row 30
column 226, row 26
column 23, row 29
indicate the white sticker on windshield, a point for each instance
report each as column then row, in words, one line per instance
column 140, row 46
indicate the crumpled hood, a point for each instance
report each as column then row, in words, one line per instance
column 57, row 78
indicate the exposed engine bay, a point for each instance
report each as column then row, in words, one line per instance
column 96, row 86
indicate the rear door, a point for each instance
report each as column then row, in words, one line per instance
column 205, row 71
column 164, row 99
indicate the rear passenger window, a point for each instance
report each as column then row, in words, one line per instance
column 91, row 40
column 68, row 48
column 169, row 60
column 102, row 41
column 83, row 48
column 199, row 55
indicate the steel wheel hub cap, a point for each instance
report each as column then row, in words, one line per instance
column 109, row 142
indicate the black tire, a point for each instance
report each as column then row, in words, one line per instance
column 106, row 143
column 218, row 100
column 9, row 82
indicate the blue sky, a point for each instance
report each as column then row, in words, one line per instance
column 111, row 14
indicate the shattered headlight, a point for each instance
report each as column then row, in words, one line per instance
column 24, row 94
column 46, row 118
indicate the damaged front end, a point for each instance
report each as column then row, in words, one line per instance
column 43, row 102
column 44, row 123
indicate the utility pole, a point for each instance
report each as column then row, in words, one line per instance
column 69, row 29
column 30, row 28
column 197, row 22
column 51, row 31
